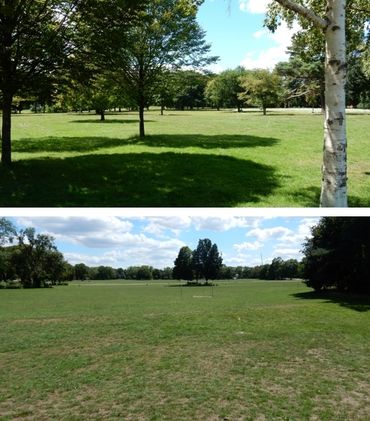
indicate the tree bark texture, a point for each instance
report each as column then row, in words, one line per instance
column 334, row 171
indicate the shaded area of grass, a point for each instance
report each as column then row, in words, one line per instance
column 145, row 179
column 88, row 144
column 285, row 142
column 352, row 301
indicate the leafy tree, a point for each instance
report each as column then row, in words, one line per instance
column 33, row 45
column 261, row 87
column 105, row 272
column 325, row 22
column 7, row 231
column 183, row 268
column 81, row 271
column 36, row 259
column 338, row 254
column 165, row 35
column 206, row 260
column 225, row 88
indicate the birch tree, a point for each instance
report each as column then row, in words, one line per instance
column 332, row 24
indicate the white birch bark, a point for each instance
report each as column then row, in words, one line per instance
column 334, row 169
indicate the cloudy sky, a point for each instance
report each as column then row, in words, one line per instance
column 155, row 240
column 235, row 30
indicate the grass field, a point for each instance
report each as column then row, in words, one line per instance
column 137, row 351
column 204, row 158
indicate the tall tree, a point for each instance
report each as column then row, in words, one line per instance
column 183, row 268
column 33, row 44
column 338, row 254
column 329, row 18
column 206, row 260
column 165, row 35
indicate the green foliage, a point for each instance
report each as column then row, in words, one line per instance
column 206, row 260
column 183, row 268
column 338, row 254
column 262, row 88
column 223, row 90
column 35, row 42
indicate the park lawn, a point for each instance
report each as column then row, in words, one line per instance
column 157, row 351
column 189, row 158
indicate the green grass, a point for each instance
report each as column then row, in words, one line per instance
column 204, row 158
column 138, row 351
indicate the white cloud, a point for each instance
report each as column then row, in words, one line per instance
column 140, row 251
column 94, row 232
column 269, row 57
column 247, row 246
column 263, row 234
column 254, row 6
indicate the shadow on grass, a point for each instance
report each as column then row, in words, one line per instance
column 352, row 301
column 310, row 197
column 86, row 144
column 145, row 179
column 110, row 121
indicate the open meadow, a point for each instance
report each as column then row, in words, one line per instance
column 189, row 158
column 158, row 351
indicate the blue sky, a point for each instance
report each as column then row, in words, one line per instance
column 235, row 30
column 155, row 240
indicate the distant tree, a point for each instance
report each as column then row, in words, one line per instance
column 145, row 273
column 120, row 273
column 8, row 231
column 206, row 260
column 261, row 88
column 189, row 89
column 36, row 259
column 183, row 268
column 81, row 271
column 7, row 270
column 275, row 270
column 105, row 272
column 224, row 89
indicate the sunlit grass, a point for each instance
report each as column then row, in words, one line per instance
column 137, row 350
column 199, row 158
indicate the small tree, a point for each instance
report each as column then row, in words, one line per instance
column 262, row 88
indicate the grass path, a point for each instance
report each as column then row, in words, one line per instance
column 204, row 158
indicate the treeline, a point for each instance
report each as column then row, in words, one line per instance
column 337, row 256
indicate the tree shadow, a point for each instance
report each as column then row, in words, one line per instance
column 355, row 302
column 86, row 144
column 357, row 202
column 110, row 121
column 307, row 197
column 145, row 179
column 67, row 144
column 222, row 141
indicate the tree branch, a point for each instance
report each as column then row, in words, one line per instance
column 305, row 12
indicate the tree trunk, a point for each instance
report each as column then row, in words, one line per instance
column 102, row 115
column 141, row 118
column 334, row 171
column 6, row 154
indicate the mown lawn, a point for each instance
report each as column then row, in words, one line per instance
column 200, row 158
column 138, row 351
